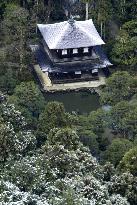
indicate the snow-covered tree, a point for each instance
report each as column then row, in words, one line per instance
column 12, row 195
column 15, row 139
column 124, row 184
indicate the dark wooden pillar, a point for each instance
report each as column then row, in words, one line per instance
column 60, row 53
column 80, row 51
column 90, row 50
column 70, row 52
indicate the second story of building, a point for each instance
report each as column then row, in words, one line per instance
column 70, row 41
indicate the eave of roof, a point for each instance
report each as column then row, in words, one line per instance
column 47, row 66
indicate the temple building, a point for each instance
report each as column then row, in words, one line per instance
column 71, row 51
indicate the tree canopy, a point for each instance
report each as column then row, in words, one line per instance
column 118, row 88
column 49, row 156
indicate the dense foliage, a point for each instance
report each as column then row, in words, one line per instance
column 47, row 155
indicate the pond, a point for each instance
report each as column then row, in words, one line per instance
column 82, row 102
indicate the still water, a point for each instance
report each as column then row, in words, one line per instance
column 81, row 102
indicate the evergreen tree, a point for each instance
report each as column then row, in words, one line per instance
column 124, row 51
column 118, row 88
column 122, row 119
column 29, row 99
column 116, row 150
column 104, row 15
column 16, row 30
column 129, row 161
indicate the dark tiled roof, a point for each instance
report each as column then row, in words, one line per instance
column 70, row 34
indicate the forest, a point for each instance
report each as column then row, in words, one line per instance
column 49, row 156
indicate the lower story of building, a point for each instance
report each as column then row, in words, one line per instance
column 57, row 82
column 77, row 76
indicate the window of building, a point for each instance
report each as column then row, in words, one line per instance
column 77, row 72
column 75, row 51
column 64, row 52
column 85, row 50
column 95, row 71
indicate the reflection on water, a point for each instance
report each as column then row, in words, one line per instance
column 81, row 102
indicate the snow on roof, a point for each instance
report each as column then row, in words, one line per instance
column 70, row 34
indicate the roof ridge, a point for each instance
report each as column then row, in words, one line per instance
column 61, row 36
